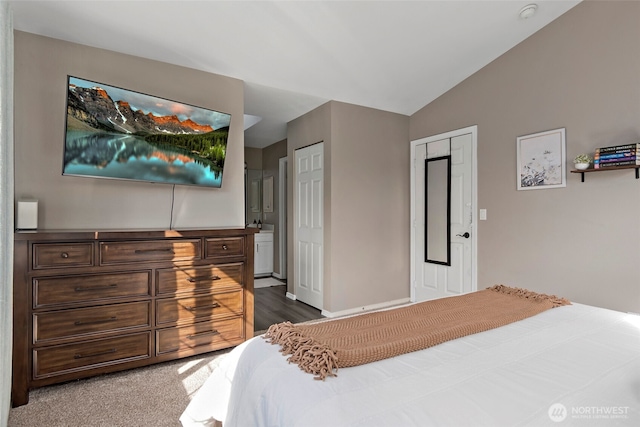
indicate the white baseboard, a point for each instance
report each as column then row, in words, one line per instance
column 358, row 310
column 291, row 296
column 279, row 276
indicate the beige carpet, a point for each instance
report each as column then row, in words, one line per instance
column 150, row 396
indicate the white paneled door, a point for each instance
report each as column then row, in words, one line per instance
column 431, row 280
column 308, row 224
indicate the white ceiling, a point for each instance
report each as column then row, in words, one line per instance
column 296, row 55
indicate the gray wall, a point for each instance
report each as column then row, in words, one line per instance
column 366, row 202
column 253, row 157
column 6, row 208
column 41, row 68
column 369, row 207
column 581, row 72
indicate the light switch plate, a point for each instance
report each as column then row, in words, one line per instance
column 483, row 214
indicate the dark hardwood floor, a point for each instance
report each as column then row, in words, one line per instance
column 271, row 305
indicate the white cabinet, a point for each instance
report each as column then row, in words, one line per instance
column 263, row 254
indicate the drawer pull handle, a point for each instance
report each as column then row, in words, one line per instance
column 200, row 334
column 82, row 356
column 147, row 251
column 225, row 247
column 214, row 305
column 64, row 255
column 202, row 279
column 96, row 288
column 95, row 322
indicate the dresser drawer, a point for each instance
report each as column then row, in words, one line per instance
column 78, row 289
column 89, row 354
column 60, row 255
column 149, row 250
column 199, row 308
column 204, row 278
column 225, row 247
column 200, row 337
column 84, row 321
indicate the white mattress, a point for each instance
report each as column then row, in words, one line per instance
column 580, row 359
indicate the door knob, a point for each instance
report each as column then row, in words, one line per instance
column 466, row 235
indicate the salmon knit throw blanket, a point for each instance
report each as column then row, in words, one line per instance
column 322, row 348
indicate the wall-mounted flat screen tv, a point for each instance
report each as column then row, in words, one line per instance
column 118, row 133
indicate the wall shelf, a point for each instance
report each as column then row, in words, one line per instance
column 582, row 172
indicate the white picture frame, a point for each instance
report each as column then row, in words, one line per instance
column 541, row 160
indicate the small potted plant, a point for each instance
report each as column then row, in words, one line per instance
column 582, row 161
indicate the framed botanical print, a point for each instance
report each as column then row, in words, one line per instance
column 541, row 160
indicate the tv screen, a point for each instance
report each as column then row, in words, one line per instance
column 122, row 134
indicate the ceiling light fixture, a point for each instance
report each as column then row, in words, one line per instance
column 528, row 11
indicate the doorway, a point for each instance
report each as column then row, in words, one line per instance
column 431, row 280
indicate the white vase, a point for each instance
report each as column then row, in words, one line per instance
column 581, row 166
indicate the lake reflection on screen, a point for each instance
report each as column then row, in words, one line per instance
column 131, row 157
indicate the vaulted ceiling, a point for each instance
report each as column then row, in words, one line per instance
column 296, row 55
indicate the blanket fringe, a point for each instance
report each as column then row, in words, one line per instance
column 312, row 357
column 530, row 295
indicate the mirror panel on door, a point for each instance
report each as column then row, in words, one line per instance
column 438, row 210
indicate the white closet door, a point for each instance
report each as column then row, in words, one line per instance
column 308, row 224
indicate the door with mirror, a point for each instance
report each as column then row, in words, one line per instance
column 443, row 253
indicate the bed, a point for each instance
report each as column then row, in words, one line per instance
column 573, row 365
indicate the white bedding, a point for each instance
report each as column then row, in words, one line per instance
column 580, row 359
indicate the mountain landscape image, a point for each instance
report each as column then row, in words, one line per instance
column 117, row 133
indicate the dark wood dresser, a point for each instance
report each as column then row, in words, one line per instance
column 91, row 302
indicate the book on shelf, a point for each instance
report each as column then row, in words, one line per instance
column 616, row 164
column 618, row 148
column 618, row 159
column 617, row 155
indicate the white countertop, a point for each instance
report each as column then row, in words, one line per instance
column 266, row 228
